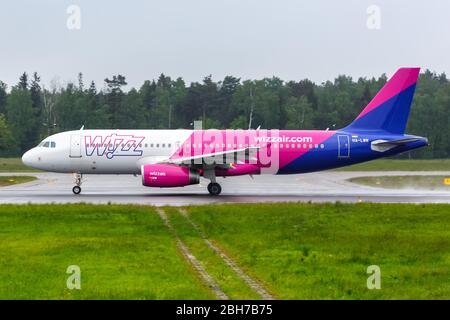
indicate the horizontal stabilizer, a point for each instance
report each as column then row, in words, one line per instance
column 385, row 145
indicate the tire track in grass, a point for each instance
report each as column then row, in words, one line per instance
column 206, row 277
column 229, row 262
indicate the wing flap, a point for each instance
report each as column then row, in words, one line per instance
column 211, row 158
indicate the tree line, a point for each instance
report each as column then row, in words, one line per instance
column 29, row 112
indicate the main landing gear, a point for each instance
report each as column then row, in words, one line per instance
column 77, row 188
column 214, row 188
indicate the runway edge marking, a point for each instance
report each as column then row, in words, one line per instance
column 206, row 277
column 229, row 262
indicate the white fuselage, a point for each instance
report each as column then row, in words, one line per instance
column 104, row 151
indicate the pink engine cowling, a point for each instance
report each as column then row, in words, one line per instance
column 167, row 176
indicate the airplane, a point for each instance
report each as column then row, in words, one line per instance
column 177, row 158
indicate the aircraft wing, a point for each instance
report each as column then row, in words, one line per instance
column 211, row 158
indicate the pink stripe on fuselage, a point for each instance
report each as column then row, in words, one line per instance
column 402, row 79
column 287, row 155
column 203, row 142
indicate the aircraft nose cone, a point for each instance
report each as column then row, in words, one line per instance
column 27, row 158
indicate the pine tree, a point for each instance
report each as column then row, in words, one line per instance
column 23, row 81
column 3, row 96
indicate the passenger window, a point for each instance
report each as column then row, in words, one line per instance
column 163, row 145
column 169, row 145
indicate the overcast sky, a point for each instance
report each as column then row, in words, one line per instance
column 291, row 39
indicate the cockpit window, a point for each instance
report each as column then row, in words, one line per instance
column 47, row 144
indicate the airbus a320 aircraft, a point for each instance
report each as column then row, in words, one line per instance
column 176, row 158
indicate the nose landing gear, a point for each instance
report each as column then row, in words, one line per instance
column 77, row 188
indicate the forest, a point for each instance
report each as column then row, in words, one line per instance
column 29, row 111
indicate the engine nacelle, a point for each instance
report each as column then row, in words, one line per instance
column 167, row 176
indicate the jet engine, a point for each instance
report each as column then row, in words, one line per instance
column 168, row 175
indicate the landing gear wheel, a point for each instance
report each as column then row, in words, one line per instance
column 78, row 180
column 214, row 188
column 76, row 189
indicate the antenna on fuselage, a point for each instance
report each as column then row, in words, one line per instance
column 82, row 127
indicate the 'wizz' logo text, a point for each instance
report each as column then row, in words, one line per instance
column 113, row 145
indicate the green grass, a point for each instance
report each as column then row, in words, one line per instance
column 123, row 252
column 14, row 165
column 403, row 182
column 10, row 180
column 400, row 165
column 299, row 251
column 233, row 286
column 322, row 251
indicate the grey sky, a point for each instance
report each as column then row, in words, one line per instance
column 246, row 38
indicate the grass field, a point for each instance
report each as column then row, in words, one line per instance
column 406, row 182
column 231, row 284
column 298, row 251
column 123, row 253
column 400, row 165
column 10, row 180
column 322, row 251
column 14, row 165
